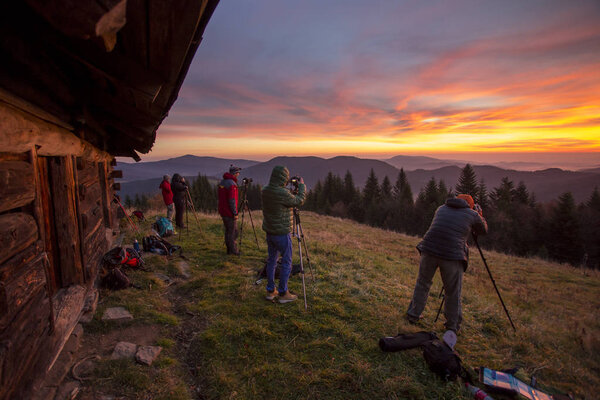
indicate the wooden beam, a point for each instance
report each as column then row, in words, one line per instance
column 20, row 130
column 50, row 244
column 84, row 19
column 17, row 184
column 67, row 223
column 17, row 232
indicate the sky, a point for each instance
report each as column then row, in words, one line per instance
column 484, row 79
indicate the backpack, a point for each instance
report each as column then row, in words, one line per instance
column 158, row 245
column 115, row 279
column 163, row 227
column 139, row 215
column 442, row 360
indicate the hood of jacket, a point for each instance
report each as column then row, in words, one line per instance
column 457, row 203
column 227, row 175
column 176, row 178
column 279, row 176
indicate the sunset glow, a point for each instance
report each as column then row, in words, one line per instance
column 357, row 78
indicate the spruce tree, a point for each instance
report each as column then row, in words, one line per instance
column 482, row 195
column 594, row 201
column 386, row 188
column 565, row 242
column 349, row 191
column 402, row 191
column 467, row 182
column 128, row 201
column 371, row 192
column 521, row 194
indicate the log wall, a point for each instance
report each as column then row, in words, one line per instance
column 55, row 213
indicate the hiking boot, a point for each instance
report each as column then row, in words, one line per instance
column 412, row 319
column 287, row 297
column 271, row 295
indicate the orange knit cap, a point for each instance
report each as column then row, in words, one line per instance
column 467, row 198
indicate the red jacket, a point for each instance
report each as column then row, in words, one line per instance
column 166, row 192
column 228, row 196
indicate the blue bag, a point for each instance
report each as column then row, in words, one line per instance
column 163, row 227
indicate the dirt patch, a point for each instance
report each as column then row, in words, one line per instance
column 103, row 344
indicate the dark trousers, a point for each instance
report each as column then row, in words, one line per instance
column 179, row 211
column 231, row 234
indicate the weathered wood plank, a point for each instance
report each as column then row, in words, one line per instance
column 87, row 172
column 20, row 344
column 67, row 225
column 18, row 288
column 14, row 157
column 21, row 129
column 17, row 232
column 106, row 199
column 17, row 184
column 50, row 244
column 12, row 265
column 68, row 304
column 89, row 196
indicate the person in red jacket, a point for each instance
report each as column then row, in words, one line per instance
column 167, row 194
column 228, row 207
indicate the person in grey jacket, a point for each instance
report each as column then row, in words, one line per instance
column 445, row 246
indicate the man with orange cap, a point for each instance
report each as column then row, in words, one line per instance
column 445, row 246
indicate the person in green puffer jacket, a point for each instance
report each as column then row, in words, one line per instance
column 278, row 202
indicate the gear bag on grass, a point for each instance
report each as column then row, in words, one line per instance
column 405, row 341
column 163, row 227
column 158, row 245
column 442, row 360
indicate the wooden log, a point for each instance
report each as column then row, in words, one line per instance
column 116, row 186
column 87, row 172
column 67, row 223
column 21, row 342
column 47, row 225
column 21, row 129
column 12, row 265
column 18, row 288
column 84, row 19
column 89, row 196
column 17, row 184
column 116, row 174
column 17, row 232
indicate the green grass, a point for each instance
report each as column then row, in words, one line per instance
column 236, row 345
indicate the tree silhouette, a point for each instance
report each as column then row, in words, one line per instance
column 467, row 182
column 564, row 242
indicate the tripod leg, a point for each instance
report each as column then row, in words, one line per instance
column 252, row 223
column 441, row 304
column 241, row 227
column 306, row 250
column 302, row 272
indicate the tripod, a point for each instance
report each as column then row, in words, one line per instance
column 298, row 233
column 244, row 208
column 190, row 204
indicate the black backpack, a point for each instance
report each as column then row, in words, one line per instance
column 158, row 245
column 442, row 360
column 405, row 341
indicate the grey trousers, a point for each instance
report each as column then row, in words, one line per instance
column 231, row 234
column 170, row 211
column 452, row 273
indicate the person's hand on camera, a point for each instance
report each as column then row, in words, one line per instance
column 477, row 208
column 301, row 180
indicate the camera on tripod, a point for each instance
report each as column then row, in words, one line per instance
column 246, row 181
column 294, row 182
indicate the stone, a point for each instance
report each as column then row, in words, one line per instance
column 116, row 314
column 163, row 278
column 147, row 354
column 123, row 350
column 184, row 269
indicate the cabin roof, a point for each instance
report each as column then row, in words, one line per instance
column 108, row 70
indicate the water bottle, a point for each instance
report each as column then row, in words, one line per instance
column 478, row 393
column 136, row 245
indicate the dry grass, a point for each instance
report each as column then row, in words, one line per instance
column 236, row 345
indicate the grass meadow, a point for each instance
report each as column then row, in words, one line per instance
column 223, row 340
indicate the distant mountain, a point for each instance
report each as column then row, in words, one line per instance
column 591, row 170
column 314, row 168
column 547, row 184
column 187, row 165
column 411, row 163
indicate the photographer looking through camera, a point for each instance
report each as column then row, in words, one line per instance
column 278, row 203
column 228, row 207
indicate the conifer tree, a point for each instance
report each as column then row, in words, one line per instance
column 521, row 194
column 128, row 203
column 594, row 201
column 467, row 182
column 371, row 192
column 564, row 242
column 386, row 188
column 503, row 195
column 204, row 194
column 137, row 201
column 349, row 191
column 482, row 195
column 402, row 191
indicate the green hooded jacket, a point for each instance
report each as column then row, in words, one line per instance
column 277, row 202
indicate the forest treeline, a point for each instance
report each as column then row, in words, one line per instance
column 559, row 230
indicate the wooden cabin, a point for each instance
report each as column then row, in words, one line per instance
column 81, row 82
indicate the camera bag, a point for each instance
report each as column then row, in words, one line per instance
column 442, row 360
